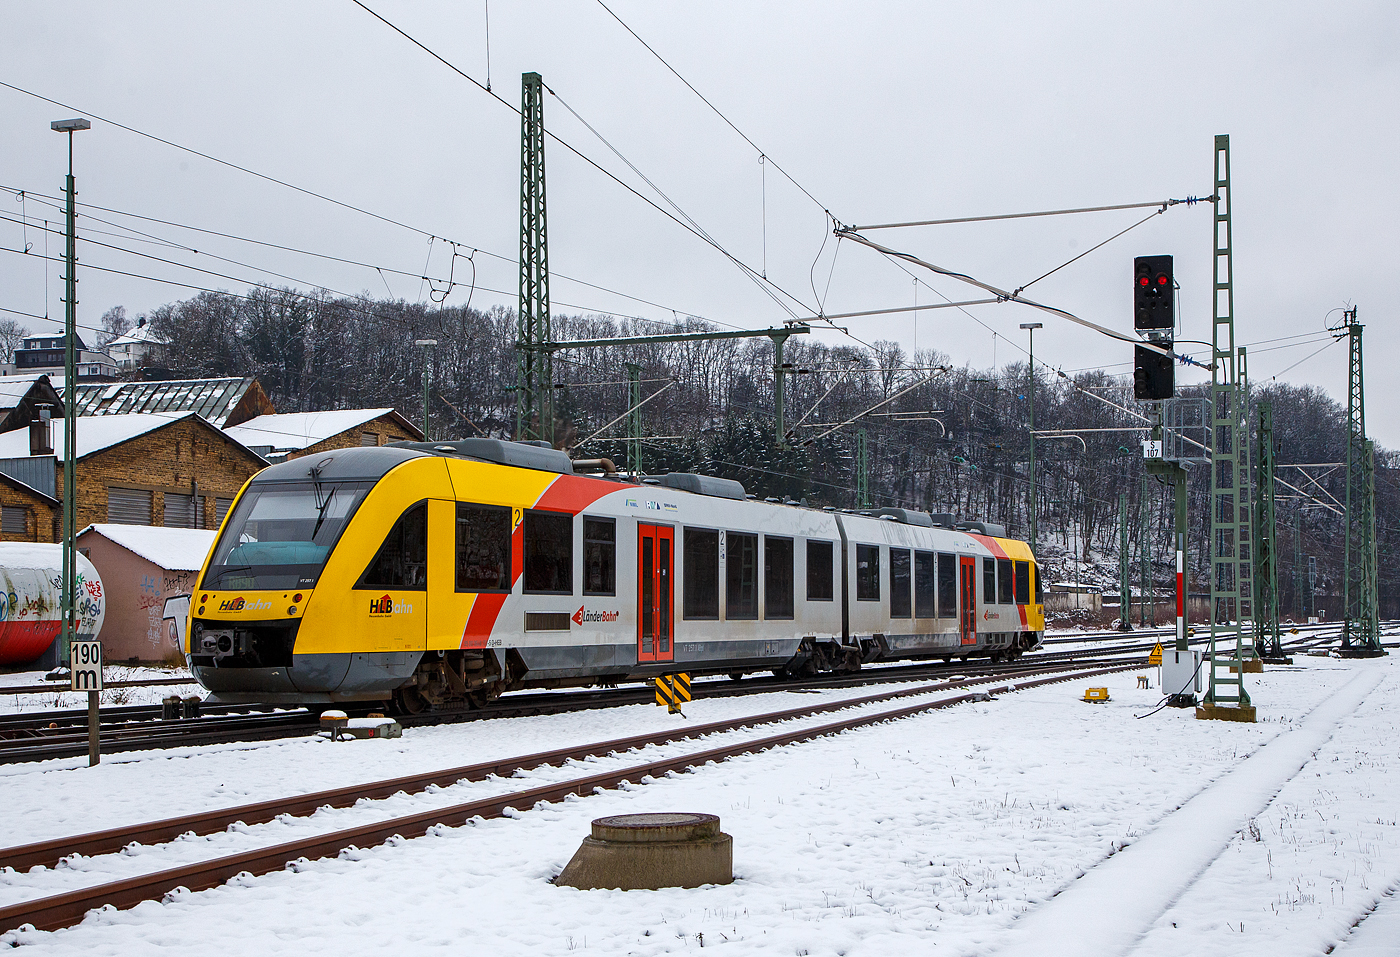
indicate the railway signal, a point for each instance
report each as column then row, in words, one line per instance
column 1153, row 375
column 1153, row 293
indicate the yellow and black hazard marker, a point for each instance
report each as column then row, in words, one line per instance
column 672, row 691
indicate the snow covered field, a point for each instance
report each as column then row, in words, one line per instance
column 952, row 832
column 60, row 697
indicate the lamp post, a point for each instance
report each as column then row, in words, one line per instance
column 425, row 344
column 1030, row 328
column 70, row 418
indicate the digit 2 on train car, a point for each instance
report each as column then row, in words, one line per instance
column 437, row 576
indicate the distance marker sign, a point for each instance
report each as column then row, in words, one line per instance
column 86, row 672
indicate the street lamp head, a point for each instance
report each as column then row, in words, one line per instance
column 425, row 342
column 70, row 126
column 1032, row 325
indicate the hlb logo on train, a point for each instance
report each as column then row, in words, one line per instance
column 242, row 604
column 387, row 606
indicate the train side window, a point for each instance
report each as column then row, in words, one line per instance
column 777, row 577
column 1023, row 583
column 820, row 580
column 483, row 548
column 599, row 556
column 1006, row 594
column 900, row 575
column 402, row 561
column 867, row 573
column 549, row 552
column 1039, row 592
column 989, row 581
column 741, row 576
column 925, row 588
column 701, row 570
column 947, row 585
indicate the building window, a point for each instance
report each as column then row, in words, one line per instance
column 1023, row 583
column 947, row 586
column 129, row 506
column 402, row 561
column 741, row 576
column 989, row 581
column 549, row 552
column 14, row 521
column 867, row 573
column 599, row 556
column 925, row 588
column 777, row 577
column 369, row 438
column 820, row 579
column 900, row 575
column 701, row 556
column 183, row 511
column 483, row 548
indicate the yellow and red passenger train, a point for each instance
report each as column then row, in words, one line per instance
column 439, row 575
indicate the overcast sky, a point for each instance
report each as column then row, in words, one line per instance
column 887, row 111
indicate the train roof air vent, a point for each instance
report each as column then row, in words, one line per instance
column 943, row 519
column 907, row 515
column 705, row 485
column 984, row 528
column 523, row 455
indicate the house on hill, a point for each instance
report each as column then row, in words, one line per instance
column 293, row 434
column 138, row 469
column 133, row 350
column 45, row 354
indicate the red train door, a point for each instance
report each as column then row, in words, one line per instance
column 655, row 548
column 968, row 590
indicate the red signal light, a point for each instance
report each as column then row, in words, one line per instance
column 1142, row 281
column 1162, row 280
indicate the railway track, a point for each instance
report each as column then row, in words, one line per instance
column 61, row 910
column 30, row 738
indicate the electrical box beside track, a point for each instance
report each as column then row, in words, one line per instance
column 1181, row 677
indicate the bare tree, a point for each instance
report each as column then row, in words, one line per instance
column 114, row 325
column 12, row 333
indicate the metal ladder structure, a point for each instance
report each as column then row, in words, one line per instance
column 1230, row 562
column 1267, row 641
column 534, row 413
column 1360, row 625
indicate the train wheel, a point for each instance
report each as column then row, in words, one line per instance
column 735, row 675
column 409, row 701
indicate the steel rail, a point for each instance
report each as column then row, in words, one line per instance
column 50, row 852
column 62, row 910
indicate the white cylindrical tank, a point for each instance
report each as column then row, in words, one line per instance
column 31, row 591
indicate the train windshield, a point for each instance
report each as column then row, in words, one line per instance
column 280, row 535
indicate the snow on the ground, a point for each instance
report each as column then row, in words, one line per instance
column 930, row 834
column 59, row 697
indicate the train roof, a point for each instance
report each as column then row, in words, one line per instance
column 373, row 463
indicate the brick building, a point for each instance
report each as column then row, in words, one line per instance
column 26, row 513
column 176, row 471
column 294, row 434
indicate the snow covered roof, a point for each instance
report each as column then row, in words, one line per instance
column 14, row 388
column 141, row 334
column 95, row 433
column 221, row 401
column 174, row 549
column 294, row 431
